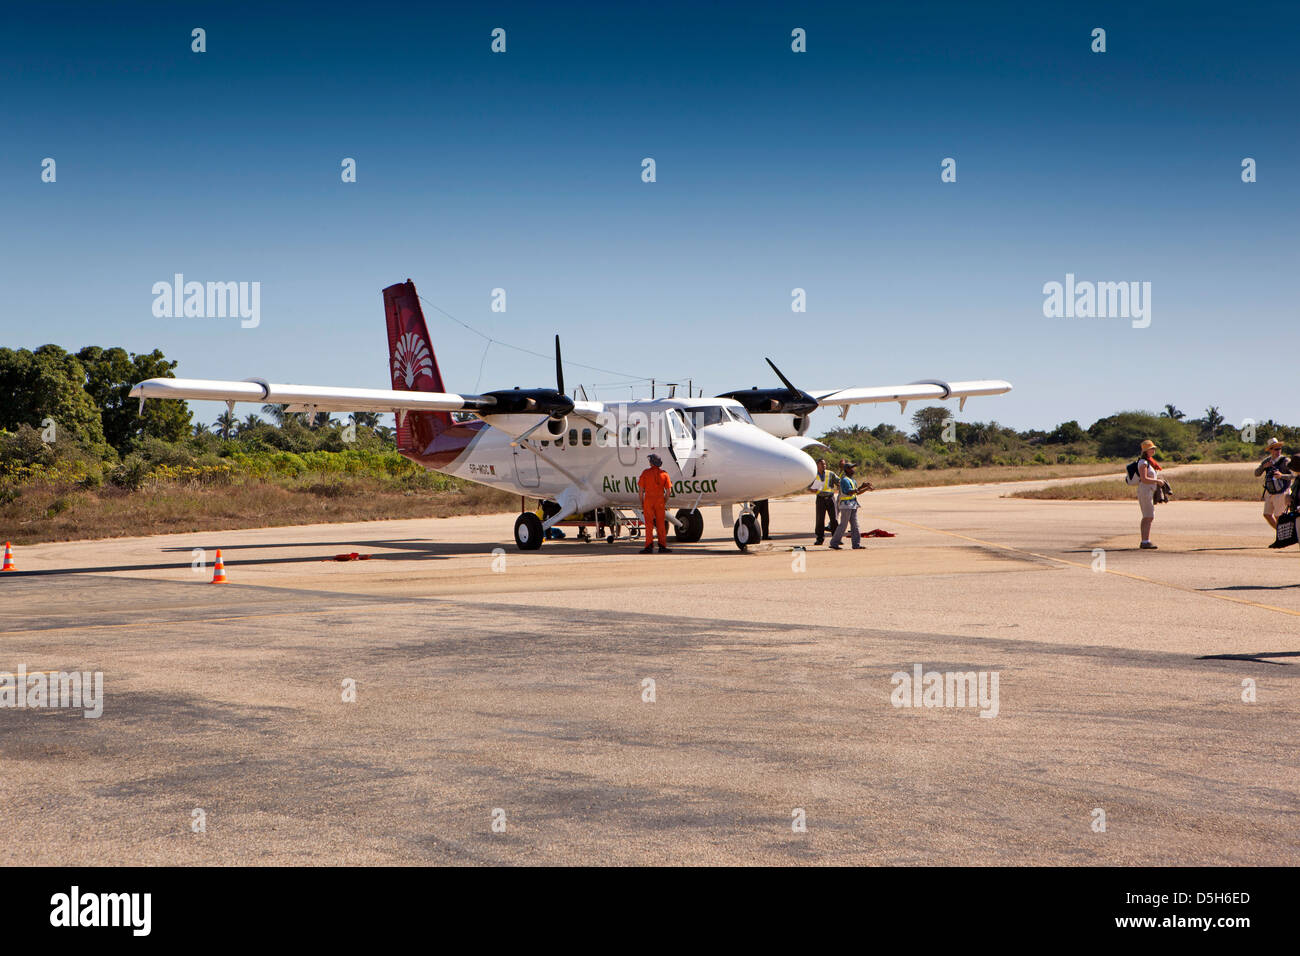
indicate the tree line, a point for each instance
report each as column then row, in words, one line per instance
column 85, row 397
column 77, row 406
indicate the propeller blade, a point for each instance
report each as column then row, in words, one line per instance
column 559, row 368
column 785, row 381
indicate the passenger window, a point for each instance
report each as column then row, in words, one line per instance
column 573, row 436
column 586, row 436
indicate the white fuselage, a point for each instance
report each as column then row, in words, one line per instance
column 709, row 447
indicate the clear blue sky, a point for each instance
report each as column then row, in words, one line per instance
column 775, row 170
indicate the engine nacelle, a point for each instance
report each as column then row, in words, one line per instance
column 557, row 426
column 781, row 424
column 809, row 446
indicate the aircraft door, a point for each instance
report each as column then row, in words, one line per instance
column 631, row 435
column 681, row 443
column 526, row 467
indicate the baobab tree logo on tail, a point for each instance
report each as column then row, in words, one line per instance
column 412, row 359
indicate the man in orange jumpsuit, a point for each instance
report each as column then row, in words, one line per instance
column 655, row 486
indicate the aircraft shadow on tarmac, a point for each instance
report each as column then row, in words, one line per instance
column 426, row 551
column 1253, row 547
column 1253, row 587
column 408, row 549
column 1256, row 658
column 412, row 543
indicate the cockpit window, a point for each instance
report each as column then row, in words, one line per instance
column 708, row 415
column 739, row 413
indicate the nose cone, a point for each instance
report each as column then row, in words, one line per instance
column 796, row 468
column 758, row 465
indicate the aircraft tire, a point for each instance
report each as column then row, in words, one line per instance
column 691, row 527
column 528, row 532
column 745, row 532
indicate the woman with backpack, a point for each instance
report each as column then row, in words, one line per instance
column 1149, row 480
column 1276, row 469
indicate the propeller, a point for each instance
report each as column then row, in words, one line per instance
column 546, row 401
column 791, row 400
column 559, row 368
column 784, row 381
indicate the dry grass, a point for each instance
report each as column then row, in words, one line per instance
column 60, row 512
column 930, row 478
column 1188, row 485
column 44, row 512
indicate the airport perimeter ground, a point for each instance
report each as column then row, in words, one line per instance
column 522, row 690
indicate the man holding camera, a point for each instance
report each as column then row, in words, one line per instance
column 1276, row 471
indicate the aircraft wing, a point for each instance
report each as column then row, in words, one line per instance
column 915, row 391
column 323, row 398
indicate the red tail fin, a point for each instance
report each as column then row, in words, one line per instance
column 413, row 365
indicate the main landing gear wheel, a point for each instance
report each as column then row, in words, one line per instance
column 691, row 526
column 528, row 532
column 745, row 532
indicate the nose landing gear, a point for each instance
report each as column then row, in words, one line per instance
column 745, row 532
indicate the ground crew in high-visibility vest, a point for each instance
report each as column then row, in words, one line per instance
column 847, row 499
column 826, row 484
column 655, row 486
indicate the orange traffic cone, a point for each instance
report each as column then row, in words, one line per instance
column 219, row 571
column 9, row 558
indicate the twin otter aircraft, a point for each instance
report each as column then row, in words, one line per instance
column 583, row 456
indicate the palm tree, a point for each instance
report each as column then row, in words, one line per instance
column 252, row 421
column 1213, row 420
column 275, row 412
column 369, row 419
column 199, row 430
column 225, row 425
column 1174, row 413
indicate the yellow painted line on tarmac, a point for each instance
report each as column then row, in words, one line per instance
column 1088, row 567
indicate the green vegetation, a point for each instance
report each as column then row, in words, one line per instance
column 938, row 442
column 77, row 459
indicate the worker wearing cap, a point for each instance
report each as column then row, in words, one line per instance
column 1148, row 481
column 1276, row 469
column 847, row 499
column 655, row 487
